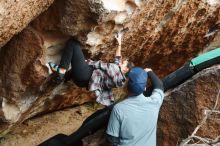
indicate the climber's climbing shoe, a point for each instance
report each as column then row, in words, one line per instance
column 55, row 68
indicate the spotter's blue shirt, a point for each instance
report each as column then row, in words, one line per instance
column 134, row 120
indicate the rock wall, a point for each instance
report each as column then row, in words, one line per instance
column 182, row 110
column 16, row 14
column 160, row 32
column 32, row 132
column 162, row 35
column 23, row 72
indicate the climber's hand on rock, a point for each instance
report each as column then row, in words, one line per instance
column 118, row 37
column 148, row 69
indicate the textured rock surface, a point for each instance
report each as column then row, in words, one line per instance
column 16, row 14
column 172, row 33
column 162, row 35
column 160, row 32
column 23, row 70
column 38, row 129
column 182, row 110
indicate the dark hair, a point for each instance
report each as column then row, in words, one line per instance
column 130, row 64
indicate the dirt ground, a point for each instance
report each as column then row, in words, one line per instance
column 36, row 130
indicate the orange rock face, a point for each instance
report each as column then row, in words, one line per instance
column 185, row 107
column 183, row 110
column 162, row 35
column 15, row 16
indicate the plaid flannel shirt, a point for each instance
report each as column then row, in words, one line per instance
column 105, row 77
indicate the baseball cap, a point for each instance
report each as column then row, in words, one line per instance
column 137, row 80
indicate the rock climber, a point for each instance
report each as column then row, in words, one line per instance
column 96, row 76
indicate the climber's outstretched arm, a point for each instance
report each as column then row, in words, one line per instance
column 118, row 38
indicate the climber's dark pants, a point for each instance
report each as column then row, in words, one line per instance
column 80, row 71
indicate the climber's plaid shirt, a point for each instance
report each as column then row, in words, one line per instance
column 105, row 77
